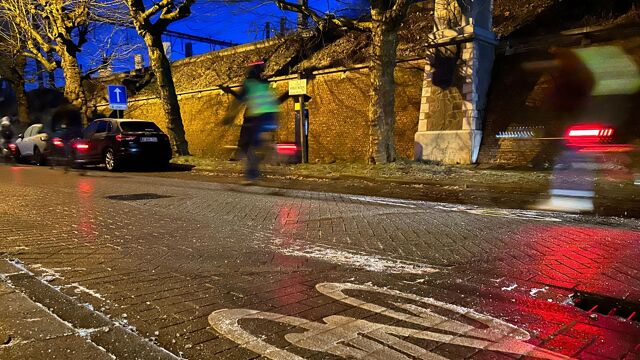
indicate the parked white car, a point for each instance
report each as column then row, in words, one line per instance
column 31, row 146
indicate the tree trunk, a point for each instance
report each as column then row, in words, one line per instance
column 382, row 114
column 168, row 96
column 21, row 95
column 51, row 75
column 73, row 90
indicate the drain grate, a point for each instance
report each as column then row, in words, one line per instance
column 136, row 197
column 592, row 303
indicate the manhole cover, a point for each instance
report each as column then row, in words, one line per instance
column 135, row 197
column 592, row 304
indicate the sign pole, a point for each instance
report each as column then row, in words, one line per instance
column 298, row 88
column 303, row 144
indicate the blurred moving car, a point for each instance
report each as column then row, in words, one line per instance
column 33, row 145
column 118, row 142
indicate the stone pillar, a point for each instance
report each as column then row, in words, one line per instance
column 470, row 50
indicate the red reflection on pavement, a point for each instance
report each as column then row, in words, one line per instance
column 16, row 172
column 86, row 222
column 569, row 255
column 291, row 287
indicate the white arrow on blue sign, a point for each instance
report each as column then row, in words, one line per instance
column 117, row 97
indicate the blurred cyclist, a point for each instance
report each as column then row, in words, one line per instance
column 260, row 118
column 67, row 125
column 6, row 130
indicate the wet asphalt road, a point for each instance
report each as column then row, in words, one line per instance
column 209, row 271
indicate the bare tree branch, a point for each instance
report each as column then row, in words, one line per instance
column 156, row 8
column 326, row 22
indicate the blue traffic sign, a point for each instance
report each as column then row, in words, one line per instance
column 117, row 97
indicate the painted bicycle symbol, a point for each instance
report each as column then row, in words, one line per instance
column 359, row 339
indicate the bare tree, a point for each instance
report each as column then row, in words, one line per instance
column 60, row 26
column 386, row 16
column 151, row 23
column 12, row 68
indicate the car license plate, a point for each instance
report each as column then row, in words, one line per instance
column 148, row 139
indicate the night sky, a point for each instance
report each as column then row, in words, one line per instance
column 239, row 22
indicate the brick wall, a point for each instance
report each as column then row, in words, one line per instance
column 338, row 129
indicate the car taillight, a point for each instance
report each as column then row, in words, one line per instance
column 287, row 149
column 588, row 135
column 57, row 142
column 12, row 147
column 81, row 146
column 121, row 137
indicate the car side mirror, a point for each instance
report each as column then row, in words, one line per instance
column 21, row 136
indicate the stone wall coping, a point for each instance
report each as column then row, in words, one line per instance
column 272, row 80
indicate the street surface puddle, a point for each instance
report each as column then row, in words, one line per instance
column 403, row 326
column 593, row 304
column 137, row 197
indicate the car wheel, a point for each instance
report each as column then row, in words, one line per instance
column 37, row 157
column 111, row 161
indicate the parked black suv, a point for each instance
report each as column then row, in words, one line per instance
column 116, row 142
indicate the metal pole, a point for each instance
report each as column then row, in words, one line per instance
column 303, row 20
column 303, row 146
column 283, row 26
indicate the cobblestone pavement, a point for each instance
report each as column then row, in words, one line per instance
column 214, row 271
column 27, row 331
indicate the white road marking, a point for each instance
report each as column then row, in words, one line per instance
column 359, row 339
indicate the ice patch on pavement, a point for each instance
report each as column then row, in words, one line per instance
column 48, row 275
column 14, row 341
column 534, row 291
column 80, row 288
column 510, row 288
column 367, row 262
column 505, row 213
column 419, row 281
column 85, row 333
column 385, row 201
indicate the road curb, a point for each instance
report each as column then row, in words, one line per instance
column 97, row 327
